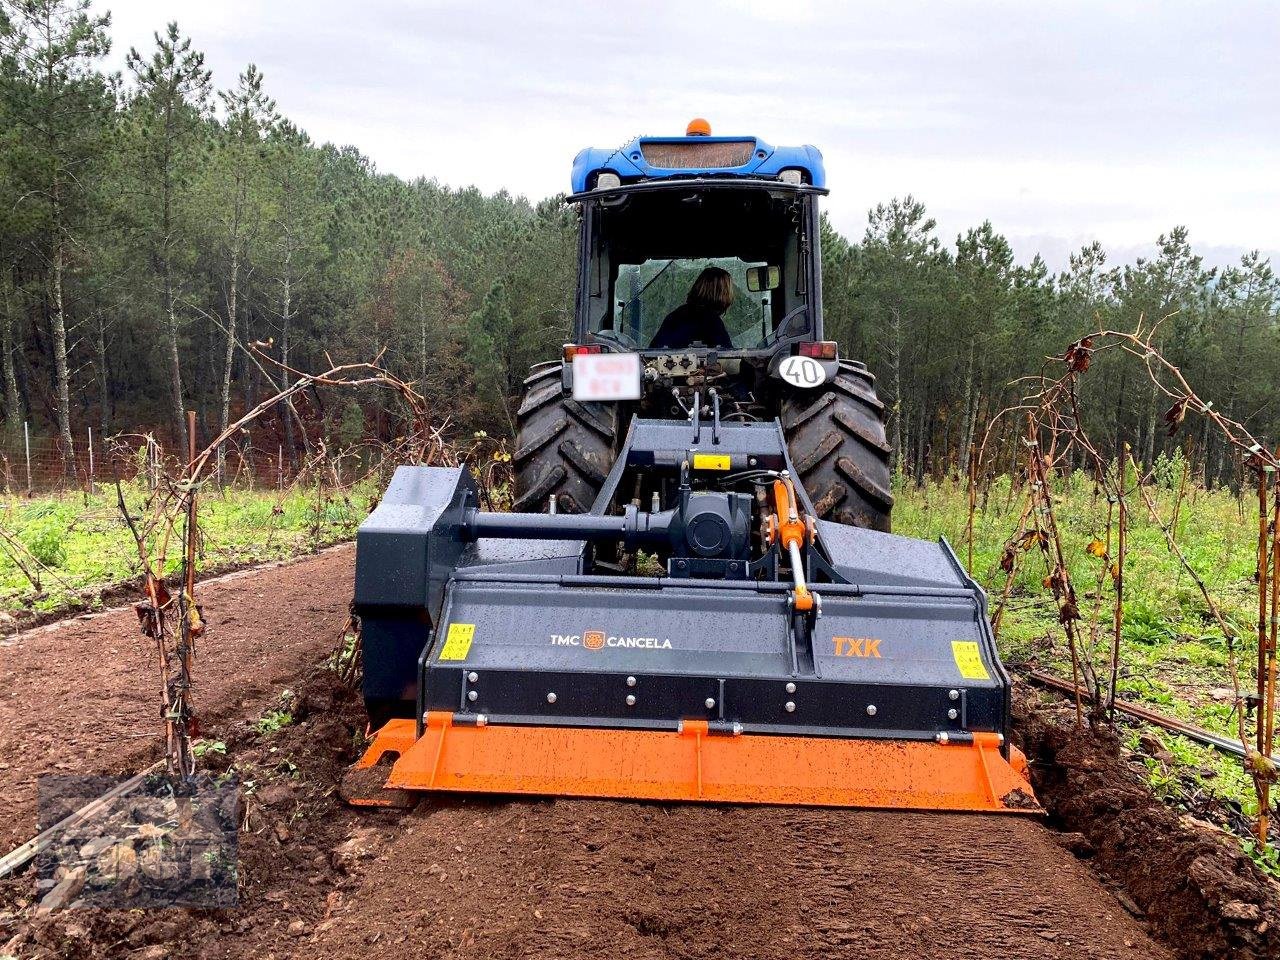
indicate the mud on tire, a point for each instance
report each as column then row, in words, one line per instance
column 563, row 448
column 836, row 439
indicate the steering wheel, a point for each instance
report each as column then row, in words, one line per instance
column 617, row 337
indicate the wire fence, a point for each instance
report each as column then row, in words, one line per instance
column 31, row 464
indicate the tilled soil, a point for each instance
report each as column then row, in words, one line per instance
column 600, row 879
column 82, row 695
column 1197, row 887
column 498, row 877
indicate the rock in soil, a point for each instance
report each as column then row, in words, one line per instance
column 67, row 889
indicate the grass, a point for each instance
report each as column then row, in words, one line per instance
column 1173, row 656
column 61, row 550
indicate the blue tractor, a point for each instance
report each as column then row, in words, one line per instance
column 682, row 606
column 700, row 287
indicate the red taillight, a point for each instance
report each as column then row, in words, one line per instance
column 572, row 350
column 819, row 349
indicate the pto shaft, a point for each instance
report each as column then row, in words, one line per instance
column 634, row 526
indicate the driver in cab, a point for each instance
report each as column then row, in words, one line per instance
column 700, row 318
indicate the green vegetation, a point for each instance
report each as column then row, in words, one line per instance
column 61, row 550
column 1267, row 858
column 204, row 748
column 1173, row 657
column 273, row 720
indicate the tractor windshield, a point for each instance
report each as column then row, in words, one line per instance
column 647, row 293
column 646, row 252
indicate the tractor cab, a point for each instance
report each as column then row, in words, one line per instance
column 659, row 212
column 700, row 299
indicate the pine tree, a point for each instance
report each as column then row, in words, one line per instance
column 167, row 115
column 62, row 104
column 238, row 169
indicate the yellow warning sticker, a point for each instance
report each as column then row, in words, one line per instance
column 711, row 461
column 969, row 660
column 457, row 644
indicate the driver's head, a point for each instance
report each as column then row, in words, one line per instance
column 713, row 289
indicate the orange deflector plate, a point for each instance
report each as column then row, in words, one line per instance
column 692, row 765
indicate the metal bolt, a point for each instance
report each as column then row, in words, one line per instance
column 631, row 681
column 472, row 677
column 791, row 688
column 943, row 737
column 711, row 702
column 752, row 461
column 737, row 729
column 551, row 698
column 482, row 719
column 952, row 713
column 473, row 696
column 631, row 699
column 681, row 564
column 789, row 706
column 871, row 709
column 953, row 694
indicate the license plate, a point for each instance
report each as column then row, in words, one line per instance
column 606, row 376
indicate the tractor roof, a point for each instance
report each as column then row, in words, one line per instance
column 696, row 155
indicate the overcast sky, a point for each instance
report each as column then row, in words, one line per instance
column 1060, row 123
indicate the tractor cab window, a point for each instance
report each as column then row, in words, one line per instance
column 646, row 252
column 647, row 294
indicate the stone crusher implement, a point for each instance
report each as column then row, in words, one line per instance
column 722, row 645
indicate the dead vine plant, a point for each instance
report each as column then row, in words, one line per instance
column 1054, row 437
column 170, row 616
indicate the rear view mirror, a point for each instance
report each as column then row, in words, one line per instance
column 763, row 278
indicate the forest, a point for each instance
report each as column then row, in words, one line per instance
column 157, row 223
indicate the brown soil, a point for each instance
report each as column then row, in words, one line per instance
column 1196, row 886
column 600, row 879
column 81, row 696
column 496, row 877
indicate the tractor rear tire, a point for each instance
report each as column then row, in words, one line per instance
column 836, row 439
column 564, row 448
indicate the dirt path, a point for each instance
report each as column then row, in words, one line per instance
column 81, row 695
column 579, row 879
column 482, row 877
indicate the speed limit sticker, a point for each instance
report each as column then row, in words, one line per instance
column 802, row 372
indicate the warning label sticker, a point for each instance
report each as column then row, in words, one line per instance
column 710, row 461
column 457, row 643
column 969, row 660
